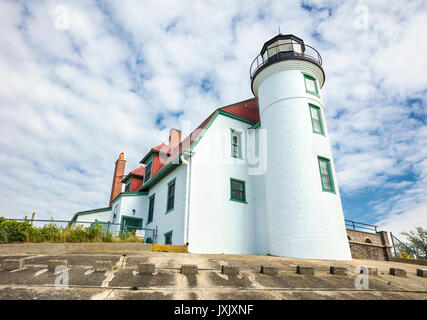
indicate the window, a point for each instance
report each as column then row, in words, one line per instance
column 367, row 240
column 115, row 213
column 326, row 175
column 127, row 187
column 168, row 237
column 147, row 174
column 237, row 190
column 150, row 209
column 236, row 149
column 316, row 119
column 310, row 85
column 171, row 196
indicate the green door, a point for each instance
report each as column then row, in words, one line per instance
column 131, row 224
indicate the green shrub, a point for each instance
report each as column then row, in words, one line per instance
column 15, row 231
column 50, row 233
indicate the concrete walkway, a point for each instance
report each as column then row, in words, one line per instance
column 123, row 280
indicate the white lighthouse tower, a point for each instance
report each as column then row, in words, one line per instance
column 305, row 218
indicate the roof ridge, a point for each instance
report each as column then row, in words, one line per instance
column 237, row 103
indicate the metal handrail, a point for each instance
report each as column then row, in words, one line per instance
column 261, row 61
column 359, row 225
column 408, row 250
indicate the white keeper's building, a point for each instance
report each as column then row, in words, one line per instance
column 256, row 177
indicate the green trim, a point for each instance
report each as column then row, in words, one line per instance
column 310, row 77
column 81, row 213
column 239, row 143
column 73, row 219
column 160, row 175
column 154, row 203
column 256, row 125
column 148, row 156
column 130, row 218
column 150, row 161
column 128, row 194
column 167, row 196
column 128, row 184
column 319, row 114
column 169, row 233
column 203, row 131
column 235, row 104
column 225, row 113
column 331, row 178
column 132, row 175
column 244, row 191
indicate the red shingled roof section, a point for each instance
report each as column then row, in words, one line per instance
column 139, row 171
column 247, row 109
column 163, row 148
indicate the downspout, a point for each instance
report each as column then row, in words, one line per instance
column 187, row 194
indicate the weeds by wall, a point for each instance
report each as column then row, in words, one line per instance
column 12, row 231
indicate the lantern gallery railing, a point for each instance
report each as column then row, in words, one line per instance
column 283, row 52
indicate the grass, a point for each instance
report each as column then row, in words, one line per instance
column 133, row 288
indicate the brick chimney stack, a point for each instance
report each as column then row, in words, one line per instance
column 119, row 172
column 174, row 137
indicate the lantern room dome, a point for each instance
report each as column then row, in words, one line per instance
column 284, row 47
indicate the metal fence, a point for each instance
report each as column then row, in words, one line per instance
column 116, row 229
column 399, row 246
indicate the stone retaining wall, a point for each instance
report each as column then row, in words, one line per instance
column 366, row 245
column 72, row 247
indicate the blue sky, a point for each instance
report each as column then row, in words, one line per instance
column 82, row 81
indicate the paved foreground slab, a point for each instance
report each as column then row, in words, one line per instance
column 79, row 280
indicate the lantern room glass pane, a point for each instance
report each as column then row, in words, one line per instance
column 296, row 47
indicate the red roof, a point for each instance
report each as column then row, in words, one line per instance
column 247, row 109
column 162, row 148
column 139, row 171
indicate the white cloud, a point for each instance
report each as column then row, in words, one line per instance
column 73, row 99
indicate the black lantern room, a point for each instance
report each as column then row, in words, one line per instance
column 284, row 47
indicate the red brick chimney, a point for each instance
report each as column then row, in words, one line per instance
column 119, row 172
column 174, row 137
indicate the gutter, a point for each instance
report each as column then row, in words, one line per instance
column 187, row 194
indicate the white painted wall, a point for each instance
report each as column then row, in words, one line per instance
column 217, row 224
column 303, row 221
column 173, row 220
column 103, row 216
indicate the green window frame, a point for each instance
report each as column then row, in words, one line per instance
column 237, row 190
column 326, row 177
column 151, row 201
column 236, row 144
column 168, row 237
column 127, row 186
column 170, row 196
column 115, row 209
column 316, row 119
column 308, row 78
column 148, row 169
